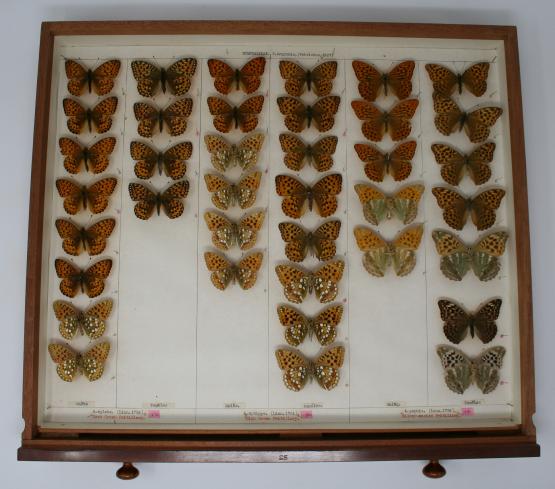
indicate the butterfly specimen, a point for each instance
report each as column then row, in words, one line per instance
column 170, row 200
column 298, row 326
column 297, row 153
column 176, row 78
column 228, row 117
column 224, row 155
column 94, row 197
column 227, row 233
column 460, row 371
column 227, row 78
column 95, row 158
column 298, row 370
column 297, row 196
column 397, row 163
column 69, row 363
column 98, row 118
column 89, row 281
column 378, row 206
column 372, row 81
column 101, row 79
column 380, row 254
column 298, row 283
column 226, row 195
column 445, row 82
column 376, row 123
column 319, row 243
column 457, row 208
column 90, row 322
column 173, row 117
column 453, row 163
column 225, row 272
column 172, row 161
column 457, row 257
column 297, row 79
column 458, row 322
column 91, row 239
column 476, row 123
column 298, row 115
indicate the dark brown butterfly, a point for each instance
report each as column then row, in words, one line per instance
column 93, row 197
column 372, row 81
column 176, row 78
column 297, row 79
column 445, row 82
column 98, row 118
column 96, row 158
column 228, row 117
column 453, row 163
column 170, row 200
column 397, row 163
column 318, row 154
column 172, row 161
column 458, row 322
column 319, row 243
column 91, row 239
column 227, row 78
column 173, row 117
column 101, row 79
column 89, row 281
column 298, row 115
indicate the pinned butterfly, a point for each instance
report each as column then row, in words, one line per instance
column 298, row 115
column 169, row 200
column 76, row 238
column 298, row 80
column 176, row 78
column 454, row 164
column 319, row 243
column 397, row 163
column 318, row 154
column 228, row 117
column 172, row 162
column 372, row 82
column 91, row 321
column 94, row 197
column 97, row 118
column 298, row 326
column 100, row 80
column 94, row 158
column 378, row 206
column 227, row 233
column 225, row 155
column 69, row 363
column 247, row 78
column 226, row 194
column 224, row 272
column 152, row 120
column 90, row 280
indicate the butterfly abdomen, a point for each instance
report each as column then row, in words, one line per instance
column 163, row 79
column 462, row 122
column 89, row 79
column 86, row 156
column 308, row 79
column 309, row 115
column 385, row 82
column 160, row 117
column 460, row 83
column 88, row 115
column 160, row 162
column 237, row 78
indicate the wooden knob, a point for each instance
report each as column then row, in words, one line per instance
column 434, row 470
column 127, row 472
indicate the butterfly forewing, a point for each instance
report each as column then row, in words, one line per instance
column 327, row 365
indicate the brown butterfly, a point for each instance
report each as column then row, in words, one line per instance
column 445, row 81
column 372, row 81
column 90, row 321
column 89, row 281
column 224, row 155
column 226, row 233
column 247, row 78
column 94, row 197
column 101, row 79
column 457, row 208
column 172, row 161
column 91, row 239
column 319, row 243
column 69, row 363
column 397, row 163
column 174, row 117
column 225, row 272
column 298, row 197
column 298, row 115
column 318, row 154
column 170, row 200
column 226, row 195
column 476, row 123
column 228, row 117
column 458, row 322
column 95, row 158
column 98, row 118
column 453, row 163
column 377, row 123
column 298, row 283
column 298, row 326
column 176, row 78
column 297, row 79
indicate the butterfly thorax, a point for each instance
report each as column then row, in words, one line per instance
column 308, row 79
column 237, row 78
column 309, row 114
column 160, row 118
column 386, row 117
column 390, row 250
column 310, row 197
column 89, row 79
column 160, row 162
column 460, row 83
column 471, row 325
column 88, row 115
column 385, row 82
column 311, row 243
column 86, row 157
column 462, row 120
column 80, row 278
column 309, row 152
column 83, row 238
column 234, row 234
column 159, row 201
column 84, row 196
column 235, row 115
column 163, row 79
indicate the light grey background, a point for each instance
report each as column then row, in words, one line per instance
column 19, row 38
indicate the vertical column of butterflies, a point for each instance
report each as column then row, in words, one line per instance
column 378, row 205
column 456, row 256
column 84, row 198
column 318, row 243
column 161, row 157
column 239, row 112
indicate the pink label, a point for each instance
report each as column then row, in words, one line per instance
column 467, row 411
column 306, row 414
column 153, row 414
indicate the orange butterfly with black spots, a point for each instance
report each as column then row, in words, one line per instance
column 174, row 117
column 397, row 163
column 298, row 115
column 170, row 200
column 100, row 80
column 246, row 78
column 94, row 197
column 297, row 79
column 228, row 117
column 371, row 81
column 445, row 81
column 177, row 77
column 89, row 281
column 95, row 158
column 92, row 239
column 99, row 118
column 172, row 161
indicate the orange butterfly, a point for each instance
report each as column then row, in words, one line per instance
column 319, row 80
column 171, row 162
column 476, row 123
column 169, row 200
column 227, row 117
column 101, row 80
column 372, row 81
column 99, row 117
column 445, row 81
column 174, row 117
column 319, row 243
column 396, row 122
column 177, row 77
column 89, row 281
column 398, row 163
column 298, row 115
column 454, row 163
column 297, row 196
column 225, row 272
column 94, row 196
column 91, row 239
column 318, row 154
column 97, row 155
column 247, row 78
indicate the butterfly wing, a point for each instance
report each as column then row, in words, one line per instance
column 295, row 322
column 374, row 203
column 147, row 116
column 295, row 282
column 399, row 79
column 376, row 165
column 448, row 114
column 247, row 270
column 443, row 79
column 99, row 154
column 148, row 77
column 70, row 275
column 94, row 277
column 77, row 77
column 295, row 368
column 248, row 111
column 69, row 318
column 295, row 113
column 484, row 206
column 94, row 318
column 74, row 154
column 295, row 77
column 223, row 232
column 221, row 269
column 370, row 80
column 327, row 365
column 452, row 163
column 98, row 194
column 146, row 200
column 294, row 195
column 176, row 116
column 325, row 324
column 250, row 73
column 400, row 117
column 71, row 236
column 324, row 240
column 376, row 258
column 221, row 191
column 457, row 367
column 246, row 153
column 179, row 75
column 295, row 151
column 171, row 199
column 72, row 195
column 101, row 114
column 103, row 76
column 322, row 152
column 322, row 77
column 404, row 205
column 146, row 159
column 475, row 78
column 373, row 125
column 486, row 373
column 484, row 320
column 326, row 280
column 485, row 254
column 455, row 256
column 65, row 359
column 223, row 114
column 400, row 160
column 479, row 122
column 247, row 189
column 406, row 244
column 454, row 206
column 248, row 228
column 76, row 115
column 296, row 244
column 223, row 74
column 97, row 234
column 92, row 361
column 478, row 163
column 323, row 112
column 325, row 194
column 456, row 321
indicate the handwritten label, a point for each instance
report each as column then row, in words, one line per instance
column 235, row 405
column 81, row 403
column 396, row 404
column 429, row 413
column 159, row 405
column 292, row 54
column 473, row 402
column 278, row 416
column 313, row 405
